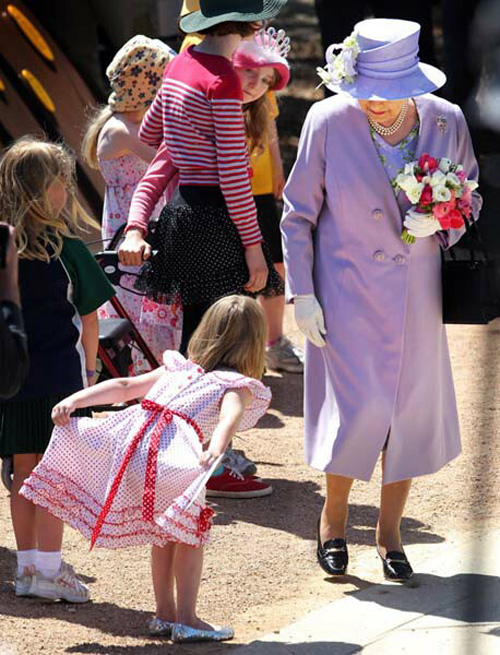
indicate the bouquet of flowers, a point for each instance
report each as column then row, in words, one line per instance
column 441, row 196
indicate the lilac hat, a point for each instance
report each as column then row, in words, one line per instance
column 379, row 61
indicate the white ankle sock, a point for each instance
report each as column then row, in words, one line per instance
column 48, row 563
column 25, row 558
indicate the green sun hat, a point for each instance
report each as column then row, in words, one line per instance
column 213, row 12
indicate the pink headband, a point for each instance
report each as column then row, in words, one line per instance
column 267, row 48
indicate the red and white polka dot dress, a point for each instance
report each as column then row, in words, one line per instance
column 126, row 480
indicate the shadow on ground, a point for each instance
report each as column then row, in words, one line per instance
column 468, row 597
column 295, row 506
column 316, row 648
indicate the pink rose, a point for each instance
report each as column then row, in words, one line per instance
column 427, row 163
column 455, row 218
column 426, row 195
column 445, row 222
column 442, row 209
column 461, row 176
column 465, row 207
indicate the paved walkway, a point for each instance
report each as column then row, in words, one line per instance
column 451, row 609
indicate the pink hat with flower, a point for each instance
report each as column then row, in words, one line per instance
column 267, row 48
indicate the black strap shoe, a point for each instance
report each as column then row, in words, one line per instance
column 396, row 566
column 332, row 555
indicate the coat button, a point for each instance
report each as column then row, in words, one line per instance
column 378, row 214
column 379, row 256
column 399, row 260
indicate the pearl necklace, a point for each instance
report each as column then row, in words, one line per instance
column 392, row 129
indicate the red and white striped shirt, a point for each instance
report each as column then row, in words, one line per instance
column 197, row 112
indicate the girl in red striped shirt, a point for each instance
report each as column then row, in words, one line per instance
column 208, row 241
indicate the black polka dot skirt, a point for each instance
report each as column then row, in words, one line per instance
column 199, row 256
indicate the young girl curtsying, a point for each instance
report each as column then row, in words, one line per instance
column 208, row 239
column 137, row 477
column 111, row 144
column 61, row 288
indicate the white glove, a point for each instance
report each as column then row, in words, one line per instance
column 421, row 225
column 309, row 318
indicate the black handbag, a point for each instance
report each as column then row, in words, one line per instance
column 470, row 280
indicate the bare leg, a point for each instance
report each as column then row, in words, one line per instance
column 49, row 529
column 392, row 504
column 274, row 309
column 335, row 510
column 162, row 569
column 188, row 568
column 23, row 512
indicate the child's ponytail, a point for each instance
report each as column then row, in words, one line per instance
column 96, row 122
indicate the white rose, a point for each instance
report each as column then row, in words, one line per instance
column 453, row 181
column 472, row 184
column 437, row 179
column 444, row 164
column 459, row 168
column 409, row 169
column 441, row 194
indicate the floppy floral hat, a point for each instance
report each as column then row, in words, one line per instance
column 135, row 73
column 379, row 61
column 213, row 12
column 267, row 48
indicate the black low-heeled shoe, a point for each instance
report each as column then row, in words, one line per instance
column 332, row 555
column 396, row 566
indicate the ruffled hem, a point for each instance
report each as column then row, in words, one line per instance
column 122, row 528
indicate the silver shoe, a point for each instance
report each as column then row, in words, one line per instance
column 160, row 628
column 183, row 633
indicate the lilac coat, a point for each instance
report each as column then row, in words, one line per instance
column 385, row 367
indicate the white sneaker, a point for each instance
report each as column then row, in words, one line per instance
column 22, row 583
column 283, row 355
column 63, row 586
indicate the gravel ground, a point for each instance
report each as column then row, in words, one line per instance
column 260, row 572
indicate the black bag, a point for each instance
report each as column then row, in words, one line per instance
column 470, row 280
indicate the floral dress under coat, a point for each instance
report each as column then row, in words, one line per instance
column 159, row 325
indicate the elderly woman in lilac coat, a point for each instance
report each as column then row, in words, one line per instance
column 378, row 377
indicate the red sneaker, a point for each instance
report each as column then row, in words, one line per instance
column 232, row 484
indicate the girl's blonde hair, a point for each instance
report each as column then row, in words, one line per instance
column 257, row 118
column 27, row 169
column 96, row 122
column 232, row 334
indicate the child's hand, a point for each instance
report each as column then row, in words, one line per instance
column 208, row 457
column 134, row 249
column 62, row 411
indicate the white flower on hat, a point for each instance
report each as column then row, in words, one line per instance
column 340, row 67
